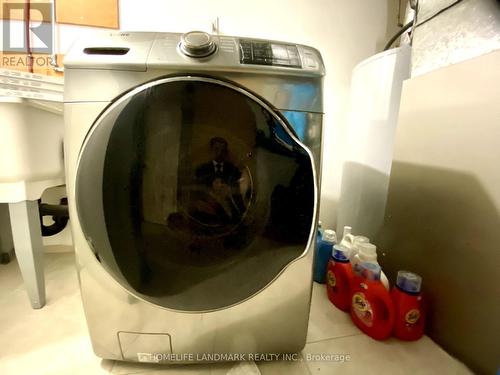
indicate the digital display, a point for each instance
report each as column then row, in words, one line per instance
column 266, row 53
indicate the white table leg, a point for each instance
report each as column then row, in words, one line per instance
column 27, row 238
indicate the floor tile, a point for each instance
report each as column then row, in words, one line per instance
column 51, row 340
column 381, row 357
column 10, row 278
column 236, row 368
column 325, row 320
column 54, row 340
column 298, row 367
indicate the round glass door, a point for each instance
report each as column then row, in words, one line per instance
column 193, row 193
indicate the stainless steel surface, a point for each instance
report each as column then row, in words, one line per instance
column 292, row 93
column 443, row 207
column 273, row 320
column 155, row 55
column 149, row 50
column 309, row 128
column 256, row 325
column 197, row 44
column 117, row 106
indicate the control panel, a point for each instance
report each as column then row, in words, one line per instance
column 258, row 52
column 192, row 51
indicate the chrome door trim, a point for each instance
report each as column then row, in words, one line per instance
column 193, row 78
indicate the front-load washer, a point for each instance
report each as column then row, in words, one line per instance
column 193, row 186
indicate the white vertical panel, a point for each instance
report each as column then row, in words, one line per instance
column 375, row 95
column 443, row 208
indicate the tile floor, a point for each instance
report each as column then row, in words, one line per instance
column 54, row 340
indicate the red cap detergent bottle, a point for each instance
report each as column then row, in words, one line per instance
column 409, row 310
column 372, row 309
column 339, row 277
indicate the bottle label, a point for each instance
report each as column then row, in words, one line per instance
column 362, row 308
column 412, row 316
column 330, row 278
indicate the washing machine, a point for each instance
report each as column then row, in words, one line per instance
column 193, row 168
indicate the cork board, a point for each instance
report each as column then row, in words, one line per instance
column 98, row 13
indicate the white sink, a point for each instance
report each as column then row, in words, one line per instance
column 31, row 136
column 31, row 160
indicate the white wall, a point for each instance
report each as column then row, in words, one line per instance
column 345, row 31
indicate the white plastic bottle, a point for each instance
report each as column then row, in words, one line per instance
column 347, row 239
column 356, row 242
column 367, row 252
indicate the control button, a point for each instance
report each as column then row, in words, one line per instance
column 292, row 51
column 310, row 60
column 312, row 64
column 281, row 62
column 295, row 62
column 279, row 51
column 197, row 44
column 265, row 53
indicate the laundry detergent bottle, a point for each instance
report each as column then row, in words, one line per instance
column 367, row 252
column 358, row 240
column 319, row 234
column 339, row 277
column 372, row 309
column 347, row 238
column 323, row 254
column 409, row 311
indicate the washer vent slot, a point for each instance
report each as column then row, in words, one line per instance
column 106, row 50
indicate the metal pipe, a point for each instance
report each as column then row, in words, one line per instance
column 397, row 35
column 414, row 5
column 59, row 214
column 53, row 57
column 27, row 38
column 60, row 210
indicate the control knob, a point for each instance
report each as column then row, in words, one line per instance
column 197, row 44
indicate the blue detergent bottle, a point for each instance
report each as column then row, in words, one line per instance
column 323, row 253
column 319, row 233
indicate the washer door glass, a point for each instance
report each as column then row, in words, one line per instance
column 193, row 193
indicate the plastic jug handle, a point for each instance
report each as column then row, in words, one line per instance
column 350, row 237
column 387, row 301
